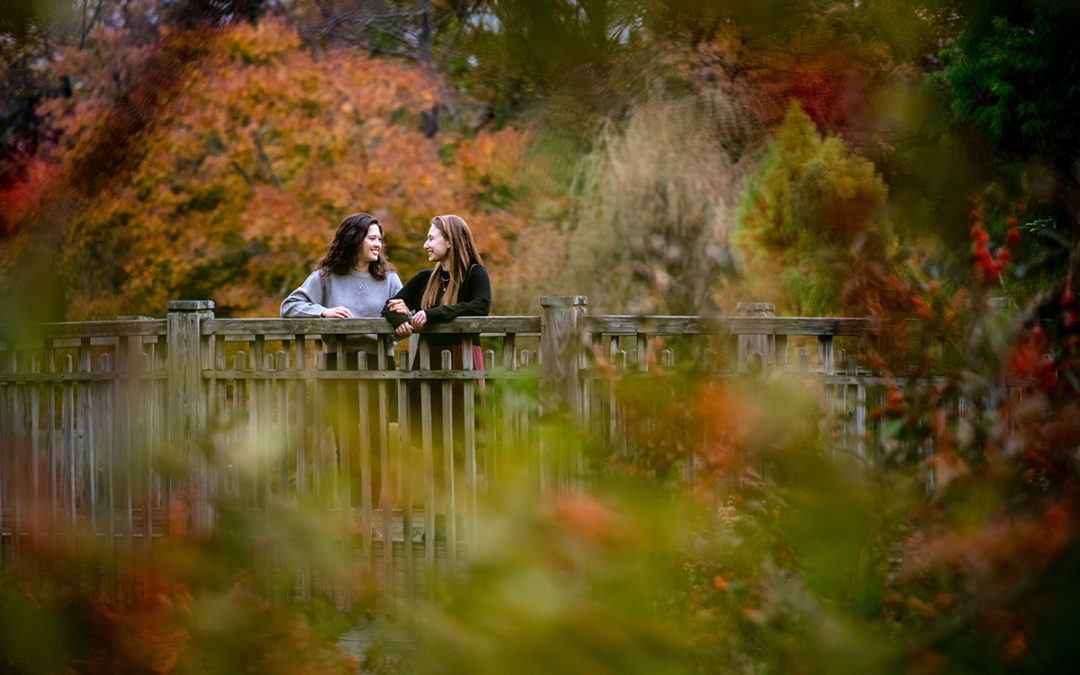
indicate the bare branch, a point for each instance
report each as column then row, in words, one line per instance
column 244, row 174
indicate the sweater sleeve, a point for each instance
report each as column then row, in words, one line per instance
column 474, row 298
column 411, row 293
column 394, row 282
column 304, row 301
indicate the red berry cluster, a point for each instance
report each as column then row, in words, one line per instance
column 987, row 267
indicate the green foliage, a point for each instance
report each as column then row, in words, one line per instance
column 809, row 201
column 1013, row 75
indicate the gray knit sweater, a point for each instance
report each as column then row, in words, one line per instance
column 364, row 295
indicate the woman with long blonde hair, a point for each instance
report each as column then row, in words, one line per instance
column 457, row 285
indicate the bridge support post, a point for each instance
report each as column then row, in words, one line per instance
column 187, row 406
column 756, row 352
column 561, row 355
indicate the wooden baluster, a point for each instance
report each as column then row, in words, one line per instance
column 284, row 434
column 667, row 359
column 404, row 471
column 469, row 415
column 13, row 410
column 320, row 436
column 509, row 439
column 385, row 507
column 343, row 475
column 826, row 360
column 109, row 402
column 619, row 425
column 490, row 430
column 52, row 441
column 448, row 467
column 256, row 415
column 428, row 454
column 781, row 355
column 5, row 424
column 68, row 442
column 83, row 426
column 34, row 390
column 610, row 404
column 364, row 424
column 268, row 440
column 301, row 402
column 244, row 411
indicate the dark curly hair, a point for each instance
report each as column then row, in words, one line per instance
column 344, row 251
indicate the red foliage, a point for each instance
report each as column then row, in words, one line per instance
column 1027, row 355
column 988, row 267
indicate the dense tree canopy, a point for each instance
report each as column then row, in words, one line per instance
column 250, row 168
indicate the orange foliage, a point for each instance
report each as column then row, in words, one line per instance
column 256, row 161
column 731, row 422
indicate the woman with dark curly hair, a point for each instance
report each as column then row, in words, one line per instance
column 353, row 280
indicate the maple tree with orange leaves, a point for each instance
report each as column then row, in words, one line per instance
column 246, row 173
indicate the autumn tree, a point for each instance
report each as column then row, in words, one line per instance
column 252, row 166
column 812, row 223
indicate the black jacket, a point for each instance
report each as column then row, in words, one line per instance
column 474, row 297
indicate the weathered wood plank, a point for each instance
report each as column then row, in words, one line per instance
column 67, row 462
column 35, row 455
column 186, row 405
column 384, row 376
column 277, row 329
column 366, row 486
column 448, row 502
column 31, row 378
column 689, row 325
column 36, row 335
column 404, row 476
column 427, row 445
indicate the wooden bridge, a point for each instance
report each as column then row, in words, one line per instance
column 127, row 431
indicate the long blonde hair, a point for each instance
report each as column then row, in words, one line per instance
column 460, row 257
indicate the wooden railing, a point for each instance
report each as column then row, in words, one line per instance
column 127, row 431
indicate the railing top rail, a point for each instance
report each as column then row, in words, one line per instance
column 491, row 325
column 85, row 329
column 732, row 325
column 290, row 328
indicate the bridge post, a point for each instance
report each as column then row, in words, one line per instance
column 561, row 355
column 187, row 404
column 756, row 352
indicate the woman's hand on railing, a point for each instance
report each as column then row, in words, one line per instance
column 419, row 319
column 404, row 330
column 337, row 313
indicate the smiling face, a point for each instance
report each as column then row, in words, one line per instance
column 372, row 245
column 437, row 246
